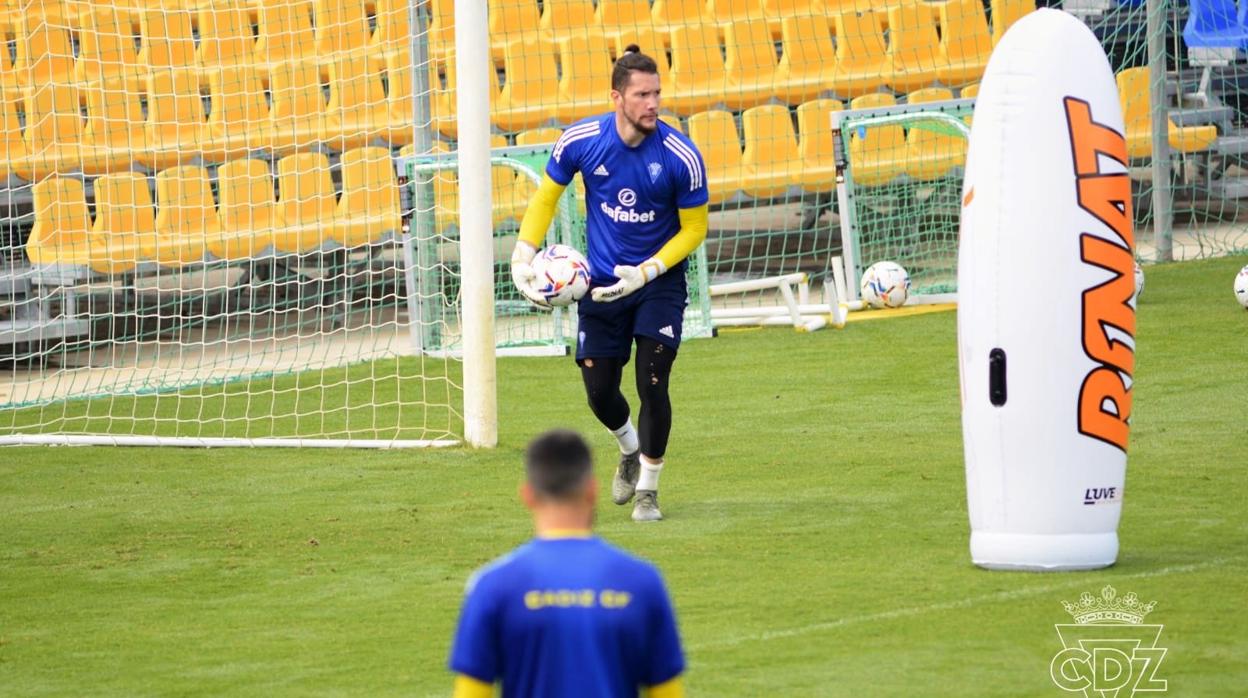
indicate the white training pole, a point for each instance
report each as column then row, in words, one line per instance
column 476, row 228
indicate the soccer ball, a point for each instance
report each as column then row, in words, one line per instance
column 1241, row 287
column 562, row 274
column 1139, row 280
column 885, row 285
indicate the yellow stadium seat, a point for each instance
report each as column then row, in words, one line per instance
column 879, row 156
column 247, row 210
column 393, row 33
column 965, row 41
column 12, row 146
column 61, row 233
column 808, row 64
column 715, row 134
column 239, row 121
column 914, row 58
column 852, row 5
column 650, row 43
column 750, row 63
column 356, row 112
column 186, row 216
column 114, row 132
column 531, row 90
column 512, row 20
column 298, row 106
column 562, row 19
column 931, row 155
column 168, row 38
column 125, row 222
column 538, row 136
column 285, row 32
column 1006, row 13
column 441, row 27
column 306, row 204
column 585, row 85
column 728, row 12
column 225, row 37
column 176, row 127
column 9, row 83
column 369, row 207
column 53, row 132
column 771, row 160
column 860, row 54
column 398, row 124
column 673, row 121
column 624, row 17
column 970, row 91
column 445, row 190
column 442, row 100
column 1133, row 97
column 816, row 145
column 781, row 9
column 341, row 27
column 106, row 50
column 45, row 52
column 670, row 15
column 697, row 80
column 524, row 186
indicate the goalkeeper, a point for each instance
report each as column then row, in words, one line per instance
column 646, row 206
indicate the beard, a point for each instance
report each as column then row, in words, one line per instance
column 642, row 128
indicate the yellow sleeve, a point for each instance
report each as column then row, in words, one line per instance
column 541, row 212
column 693, row 225
column 468, row 687
column 672, row 688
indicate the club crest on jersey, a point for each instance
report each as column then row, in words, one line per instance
column 655, row 169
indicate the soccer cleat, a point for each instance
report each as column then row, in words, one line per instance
column 647, row 506
column 626, row 474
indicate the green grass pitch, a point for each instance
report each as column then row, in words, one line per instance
column 816, row 541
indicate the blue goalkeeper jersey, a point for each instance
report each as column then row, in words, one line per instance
column 632, row 194
column 567, row 618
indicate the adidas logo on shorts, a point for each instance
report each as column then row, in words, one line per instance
column 666, row 331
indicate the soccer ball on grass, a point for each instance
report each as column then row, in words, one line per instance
column 1241, row 287
column 562, row 274
column 885, row 285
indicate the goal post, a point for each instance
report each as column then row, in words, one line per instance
column 899, row 192
column 216, row 244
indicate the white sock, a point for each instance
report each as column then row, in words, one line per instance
column 627, row 436
column 649, row 479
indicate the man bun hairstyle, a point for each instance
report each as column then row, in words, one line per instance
column 557, row 463
column 632, row 59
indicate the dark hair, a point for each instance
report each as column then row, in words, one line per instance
column 632, row 59
column 557, row 463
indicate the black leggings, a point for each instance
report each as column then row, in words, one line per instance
column 602, row 387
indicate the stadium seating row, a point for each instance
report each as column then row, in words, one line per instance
column 186, row 225
column 737, row 66
column 209, row 35
column 175, row 129
column 557, row 19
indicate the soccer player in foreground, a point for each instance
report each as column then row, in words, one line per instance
column 646, row 206
column 566, row 614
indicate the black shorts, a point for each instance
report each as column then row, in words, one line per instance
column 656, row 310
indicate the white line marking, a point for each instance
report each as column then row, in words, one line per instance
column 1082, row 581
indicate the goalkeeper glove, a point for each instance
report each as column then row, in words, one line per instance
column 524, row 277
column 630, row 279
